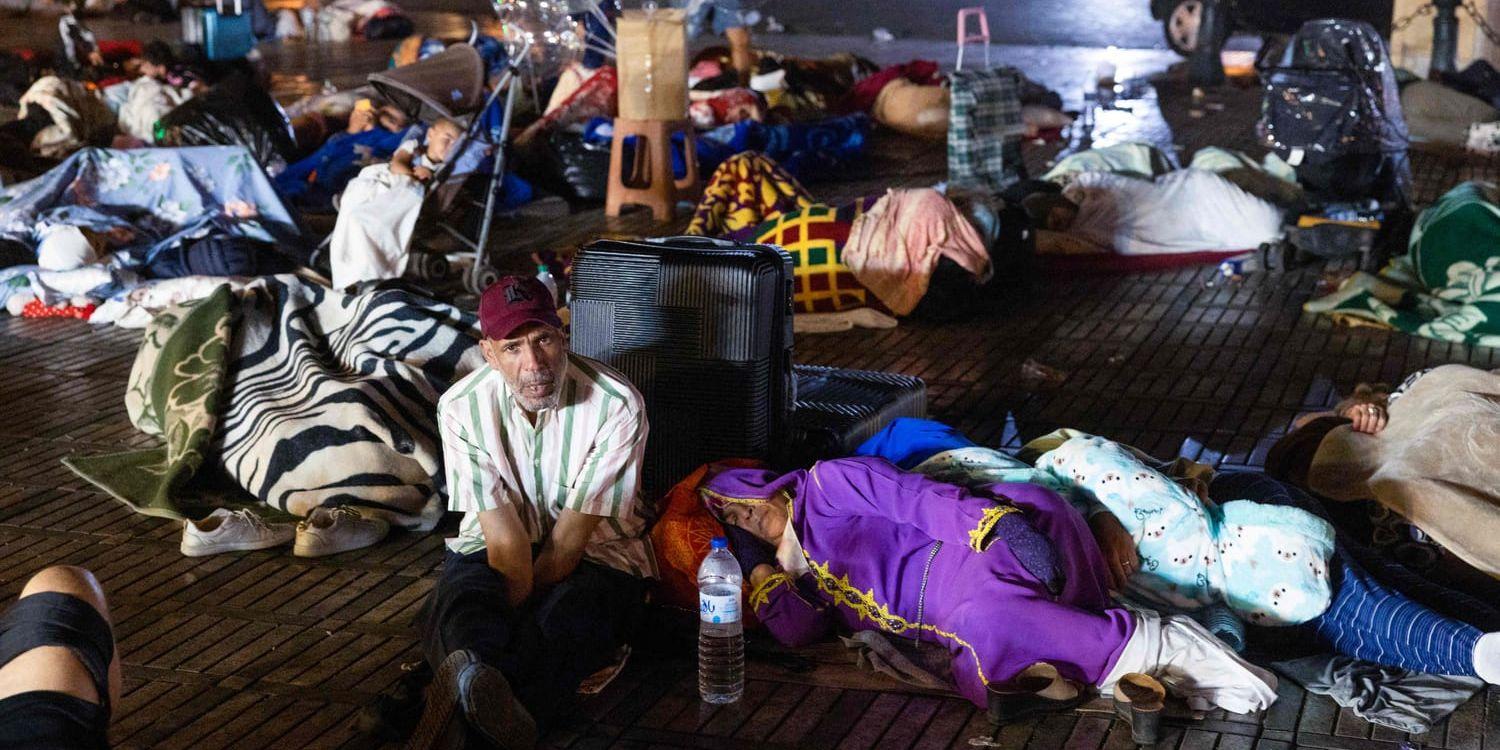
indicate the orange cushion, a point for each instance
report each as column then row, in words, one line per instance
column 681, row 537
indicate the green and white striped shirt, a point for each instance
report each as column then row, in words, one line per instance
column 584, row 455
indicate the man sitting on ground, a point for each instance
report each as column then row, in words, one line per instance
column 59, row 672
column 543, row 450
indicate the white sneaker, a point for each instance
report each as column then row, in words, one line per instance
column 227, row 530
column 329, row 531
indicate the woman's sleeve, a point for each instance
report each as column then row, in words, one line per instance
column 794, row 618
column 872, row 486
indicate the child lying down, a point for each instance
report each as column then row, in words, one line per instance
column 379, row 208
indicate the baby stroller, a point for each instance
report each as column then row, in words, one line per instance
column 466, row 191
column 1333, row 112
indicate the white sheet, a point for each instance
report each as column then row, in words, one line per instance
column 377, row 215
column 1186, row 211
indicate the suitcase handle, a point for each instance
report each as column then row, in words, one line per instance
column 692, row 240
column 238, row 9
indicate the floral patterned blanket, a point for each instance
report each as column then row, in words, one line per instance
column 164, row 195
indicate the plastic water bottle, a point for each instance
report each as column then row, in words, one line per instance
column 545, row 276
column 721, row 633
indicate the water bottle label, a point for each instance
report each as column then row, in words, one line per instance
column 717, row 608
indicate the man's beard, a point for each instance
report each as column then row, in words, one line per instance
column 552, row 377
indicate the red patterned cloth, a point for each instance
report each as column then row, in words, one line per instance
column 681, row 536
column 35, row 309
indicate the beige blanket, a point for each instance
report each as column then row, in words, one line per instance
column 1437, row 463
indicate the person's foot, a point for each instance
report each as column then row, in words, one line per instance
column 468, row 694
column 329, row 531
column 1487, row 658
column 227, row 530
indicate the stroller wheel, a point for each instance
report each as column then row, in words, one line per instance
column 430, row 266
column 482, row 277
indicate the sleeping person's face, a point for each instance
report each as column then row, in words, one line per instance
column 440, row 140
column 767, row 521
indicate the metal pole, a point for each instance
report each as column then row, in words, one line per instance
column 1444, row 37
column 1205, row 68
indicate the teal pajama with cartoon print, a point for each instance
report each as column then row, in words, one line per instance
column 1268, row 563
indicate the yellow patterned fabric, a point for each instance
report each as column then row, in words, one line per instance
column 846, row 594
column 815, row 237
column 991, row 517
column 762, row 593
column 744, row 191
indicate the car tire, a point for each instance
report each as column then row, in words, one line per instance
column 1181, row 22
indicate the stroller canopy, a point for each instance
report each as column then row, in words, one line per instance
column 448, row 84
column 1334, row 92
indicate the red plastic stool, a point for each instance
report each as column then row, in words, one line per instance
column 964, row 37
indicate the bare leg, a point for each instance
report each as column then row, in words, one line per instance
column 739, row 52
column 56, row 668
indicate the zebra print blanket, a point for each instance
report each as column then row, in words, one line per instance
column 331, row 398
column 304, row 396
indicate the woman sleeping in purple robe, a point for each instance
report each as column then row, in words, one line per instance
column 1005, row 577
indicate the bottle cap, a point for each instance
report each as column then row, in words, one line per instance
column 719, row 542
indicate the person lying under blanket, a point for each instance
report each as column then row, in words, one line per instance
column 373, row 134
column 1425, row 453
column 1006, row 577
column 379, row 209
column 1165, row 545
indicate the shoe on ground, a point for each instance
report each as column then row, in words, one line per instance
column 227, row 530
column 1039, row 689
column 1141, row 700
column 467, row 694
column 329, row 531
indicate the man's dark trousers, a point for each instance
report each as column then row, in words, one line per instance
column 546, row 647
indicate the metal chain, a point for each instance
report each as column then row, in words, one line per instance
column 1424, row 10
column 1484, row 27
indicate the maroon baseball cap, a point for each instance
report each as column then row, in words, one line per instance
column 514, row 301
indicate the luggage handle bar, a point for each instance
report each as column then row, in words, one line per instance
column 238, row 8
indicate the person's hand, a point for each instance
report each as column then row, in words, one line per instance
column 96, row 59
column 1367, row 418
column 760, row 574
column 1118, row 548
column 421, row 174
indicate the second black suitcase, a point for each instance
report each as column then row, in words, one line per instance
column 703, row 328
column 837, row 410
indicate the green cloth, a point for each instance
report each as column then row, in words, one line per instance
column 1131, row 159
column 175, row 392
column 1448, row 285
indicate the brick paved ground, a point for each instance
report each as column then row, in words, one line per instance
column 264, row 649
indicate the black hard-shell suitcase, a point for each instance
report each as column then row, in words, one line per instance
column 703, row 328
column 837, row 410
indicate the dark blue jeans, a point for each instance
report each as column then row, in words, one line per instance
column 1374, row 614
column 546, row 647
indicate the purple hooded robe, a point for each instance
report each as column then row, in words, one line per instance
column 869, row 531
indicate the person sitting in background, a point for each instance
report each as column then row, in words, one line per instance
column 378, row 210
column 80, row 48
column 1006, row 577
column 59, row 670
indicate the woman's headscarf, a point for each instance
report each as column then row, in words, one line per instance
column 747, row 487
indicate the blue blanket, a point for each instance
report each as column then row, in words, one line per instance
column 808, row 150
column 313, row 181
column 165, row 195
